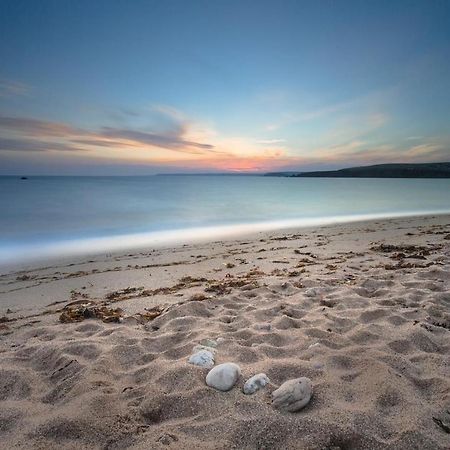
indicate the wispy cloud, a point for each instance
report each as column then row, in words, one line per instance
column 33, row 127
column 270, row 141
column 172, row 141
column 33, row 145
column 29, row 134
column 10, row 88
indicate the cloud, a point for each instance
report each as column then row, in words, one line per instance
column 33, row 145
column 270, row 141
column 10, row 88
column 414, row 138
column 173, row 141
column 34, row 127
column 29, row 134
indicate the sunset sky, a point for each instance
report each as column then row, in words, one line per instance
column 143, row 87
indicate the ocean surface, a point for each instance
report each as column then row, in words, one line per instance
column 42, row 217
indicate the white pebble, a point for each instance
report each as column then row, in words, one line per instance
column 255, row 383
column 224, row 376
column 292, row 395
column 202, row 358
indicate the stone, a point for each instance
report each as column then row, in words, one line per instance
column 255, row 383
column 209, row 343
column 200, row 347
column 224, row 376
column 292, row 395
column 203, row 358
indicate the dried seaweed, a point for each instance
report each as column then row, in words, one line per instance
column 408, row 251
column 79, row 311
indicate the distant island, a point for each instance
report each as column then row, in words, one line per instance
column 425, row 170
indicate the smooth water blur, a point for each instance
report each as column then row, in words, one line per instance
column 43, row 212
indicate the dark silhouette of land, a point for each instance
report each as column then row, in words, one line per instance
column 425, row 170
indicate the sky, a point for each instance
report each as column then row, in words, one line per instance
column 136, row 87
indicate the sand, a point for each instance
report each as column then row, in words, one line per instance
column 361, row 309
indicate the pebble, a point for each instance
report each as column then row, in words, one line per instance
column 209, row 343
column 255, row 383
column 224, row 376
column 200, row 347
column 292, row 395
column 203, row 358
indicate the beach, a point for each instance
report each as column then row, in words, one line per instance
column 94, row 351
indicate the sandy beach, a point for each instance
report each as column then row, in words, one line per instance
column 94, row 353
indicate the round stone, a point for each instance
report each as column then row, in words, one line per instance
column 255, row 383
column 224, row 376
column 202, row 358
column 292, row 395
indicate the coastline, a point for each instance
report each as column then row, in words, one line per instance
column 368, row 323
column 30, row 256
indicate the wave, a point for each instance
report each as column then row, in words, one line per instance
column 18, row 254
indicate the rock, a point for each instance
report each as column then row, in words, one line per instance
column 255, row 383
column 200, row 347
column 224, row 376
column 209, row 343
column 292, row 395
column 203, row 358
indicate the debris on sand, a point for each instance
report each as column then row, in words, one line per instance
column 403, row 251
column 136, row 292
column 199, row 297
column 407, row 265
column 5, row 319
column 151, row 313
column 81, row 309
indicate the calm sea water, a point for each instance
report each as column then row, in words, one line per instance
column 45, row 216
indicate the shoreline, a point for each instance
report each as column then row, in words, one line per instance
column 362, row 309
column 31, row 256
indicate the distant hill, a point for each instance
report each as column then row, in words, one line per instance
column 426, row 170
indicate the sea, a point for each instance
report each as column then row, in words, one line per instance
column 47, row 217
